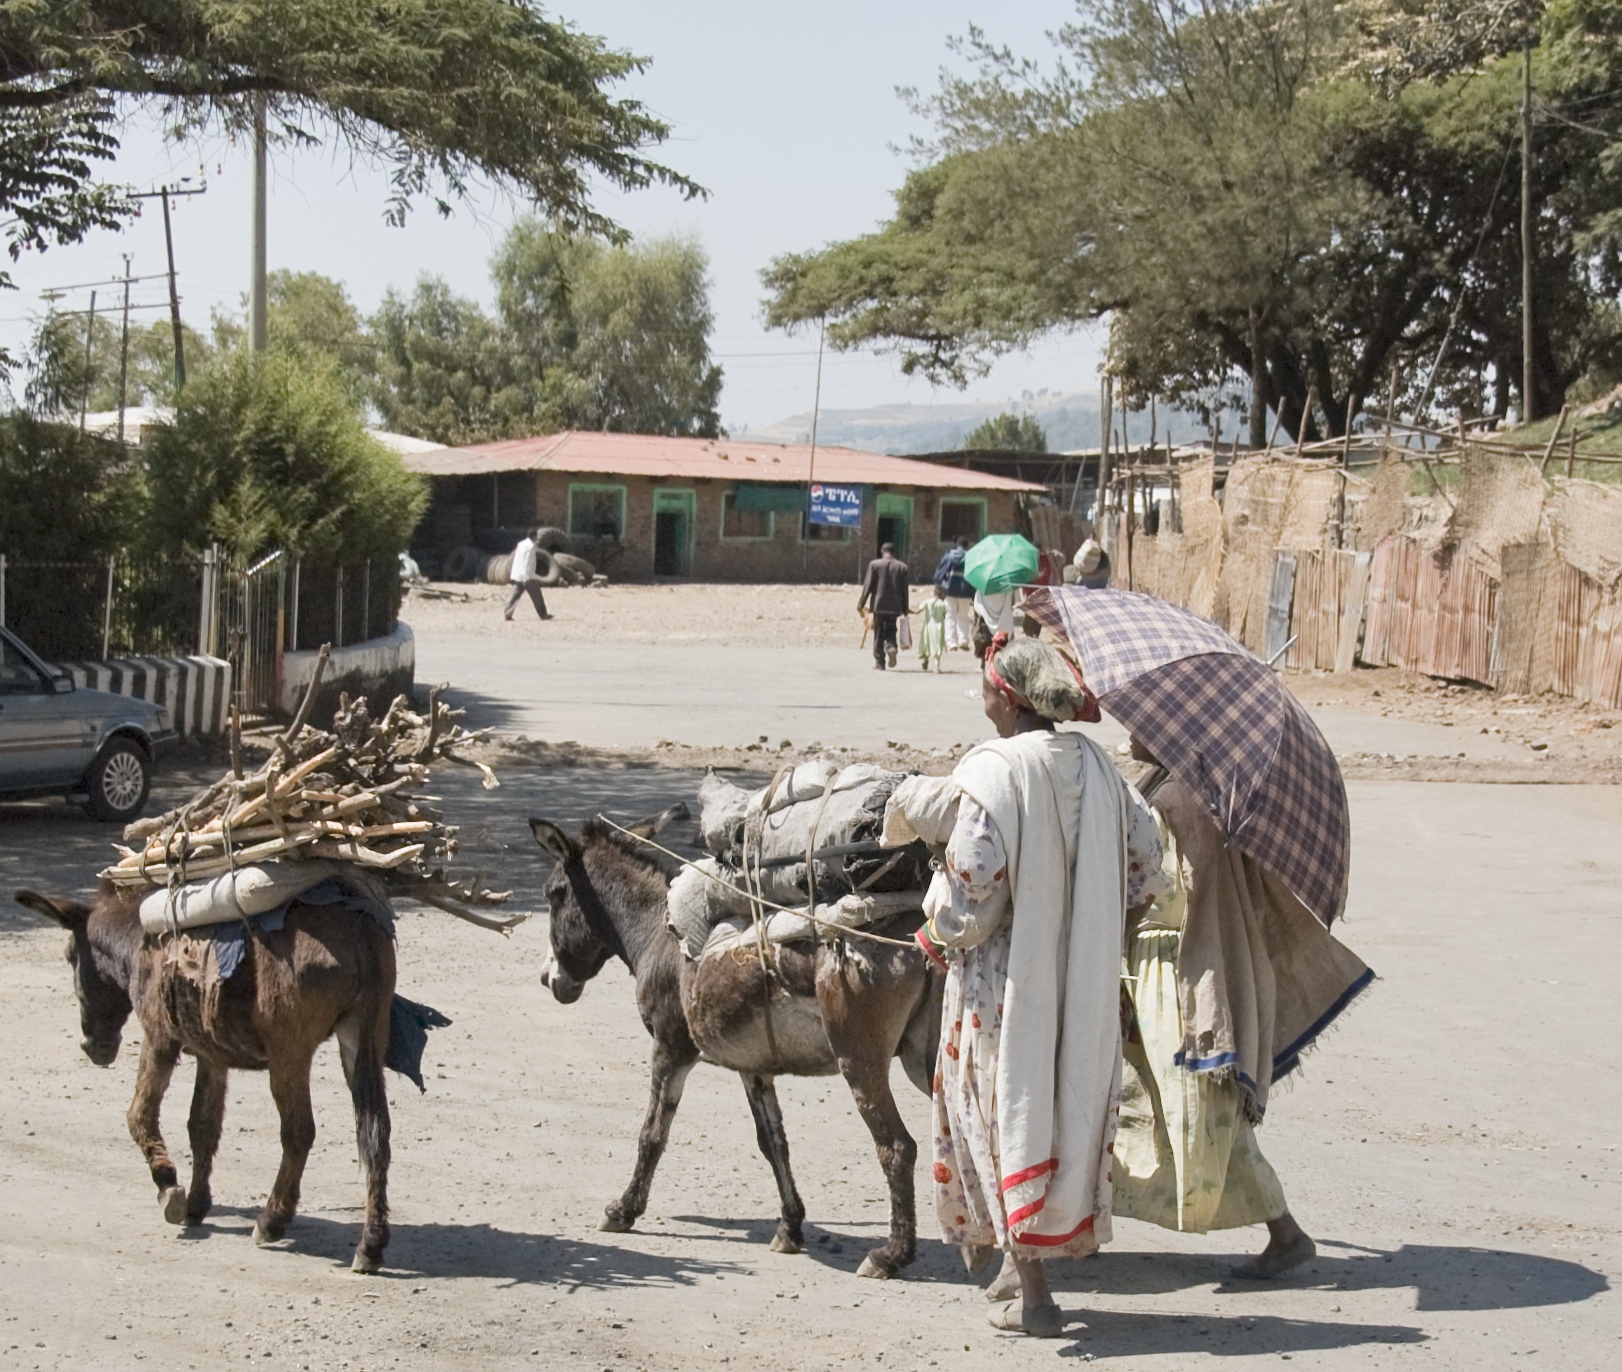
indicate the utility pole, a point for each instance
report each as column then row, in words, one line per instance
column 174, row 299
column 811, row 466
column 89, row 376
column 164, row 193
column 1528, row 405
column 124, row 350
column 258, row 327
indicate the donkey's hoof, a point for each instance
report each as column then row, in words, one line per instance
column 266, row 1231
column 787, row 1243
column 366, row 1263
column 615, row 1223
column 875, row 1267
column 173, row 1201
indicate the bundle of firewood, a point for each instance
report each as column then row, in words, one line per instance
column 349, row 795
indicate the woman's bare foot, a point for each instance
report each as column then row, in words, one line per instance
column 1288, row 1246
column 1005, row 1285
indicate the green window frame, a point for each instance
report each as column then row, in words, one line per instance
column 728, row 507
column 585, row 499
column 978, row 503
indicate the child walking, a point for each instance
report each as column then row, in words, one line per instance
column 932, row 630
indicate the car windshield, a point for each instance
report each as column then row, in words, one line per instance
column 18, row 676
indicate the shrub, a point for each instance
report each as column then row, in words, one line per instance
column 268, row 451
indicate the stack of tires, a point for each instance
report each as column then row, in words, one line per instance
column 553, row 566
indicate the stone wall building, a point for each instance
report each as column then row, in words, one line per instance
column 642, row 506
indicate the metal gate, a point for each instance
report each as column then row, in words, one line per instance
column 245, row 621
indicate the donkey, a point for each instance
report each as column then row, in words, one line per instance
column 328, row 970
column 848, row 1009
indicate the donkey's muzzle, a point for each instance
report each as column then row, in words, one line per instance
column 565, row 989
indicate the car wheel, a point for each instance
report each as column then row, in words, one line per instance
column 117, row 781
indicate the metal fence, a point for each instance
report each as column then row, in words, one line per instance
column 207, row 604
column 117, row 607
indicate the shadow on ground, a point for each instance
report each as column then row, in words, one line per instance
column 474, row 1250
column 1443, row 1277
column 1120, row 1333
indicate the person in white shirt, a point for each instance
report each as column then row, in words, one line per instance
column 523, row 577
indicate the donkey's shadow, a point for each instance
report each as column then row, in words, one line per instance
column 482, row 1251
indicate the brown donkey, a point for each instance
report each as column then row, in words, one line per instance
column 823, row 1010
column 328, row 970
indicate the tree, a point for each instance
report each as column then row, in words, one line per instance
column 588, row 334
column 1216, row 182
column 311, row 316
column 268, row 450
column 1009, row 433
column 639, row 316
column 438, row 91
column 445, row 371
column 64, row 376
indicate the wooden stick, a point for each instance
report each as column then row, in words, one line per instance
column 1554, row 438
column 428, row 895
column 284, row 744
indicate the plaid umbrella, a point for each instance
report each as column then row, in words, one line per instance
column 1222, row 723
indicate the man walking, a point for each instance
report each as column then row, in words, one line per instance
column 959, row 597
column 885, row 590
column 523, row 577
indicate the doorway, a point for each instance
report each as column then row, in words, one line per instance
column 894, row 520
column 672, row 533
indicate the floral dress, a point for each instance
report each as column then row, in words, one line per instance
column 969, row 917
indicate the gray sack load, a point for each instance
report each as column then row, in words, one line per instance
column 817, row 807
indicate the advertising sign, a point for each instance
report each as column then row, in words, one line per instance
column 840, row 506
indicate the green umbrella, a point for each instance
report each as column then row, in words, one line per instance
column 999, row 561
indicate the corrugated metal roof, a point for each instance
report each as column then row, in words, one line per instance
column 717, row 459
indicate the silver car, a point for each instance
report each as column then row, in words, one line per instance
column 95, row 748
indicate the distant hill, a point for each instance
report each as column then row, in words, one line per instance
column 1070, row 419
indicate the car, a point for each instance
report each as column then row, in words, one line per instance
column 94, row 747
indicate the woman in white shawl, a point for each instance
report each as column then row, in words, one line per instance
column 1027, row 917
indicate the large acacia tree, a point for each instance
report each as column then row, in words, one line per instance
column 440, row 92
column 1256, row 210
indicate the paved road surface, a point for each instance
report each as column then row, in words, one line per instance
column 626, row 695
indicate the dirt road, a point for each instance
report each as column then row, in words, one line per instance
column 1451, row 1146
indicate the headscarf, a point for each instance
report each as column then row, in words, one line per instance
column 1080, row 704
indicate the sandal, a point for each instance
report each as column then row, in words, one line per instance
column 1040, row 1322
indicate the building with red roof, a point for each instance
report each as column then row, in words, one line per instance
column 641, row 506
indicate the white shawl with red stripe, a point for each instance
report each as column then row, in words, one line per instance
column 1060, row 807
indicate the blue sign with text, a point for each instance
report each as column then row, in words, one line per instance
column 840, row 506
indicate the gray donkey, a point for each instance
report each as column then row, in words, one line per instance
column 848, row 1008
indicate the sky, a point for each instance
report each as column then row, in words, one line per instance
column 788, row 115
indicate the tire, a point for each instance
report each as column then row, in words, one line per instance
column 552, row 540
column 496, row 569
column 464, row 564
column 547, row 570
column 577, row 570
column 118, row 781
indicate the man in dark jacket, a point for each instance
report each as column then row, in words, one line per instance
column 884, row 591
column 959, row 597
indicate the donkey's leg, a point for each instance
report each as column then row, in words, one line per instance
column 290, row 1088
column 866, row 1009
column 870, row 1085
column 203, row 1126
column 774, row 1144
column 157, row 1065
column 670, row 1068
column 363, row 1037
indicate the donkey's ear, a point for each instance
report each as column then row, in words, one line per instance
column 554, row 840
column 70, row 914
column 647, row 828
